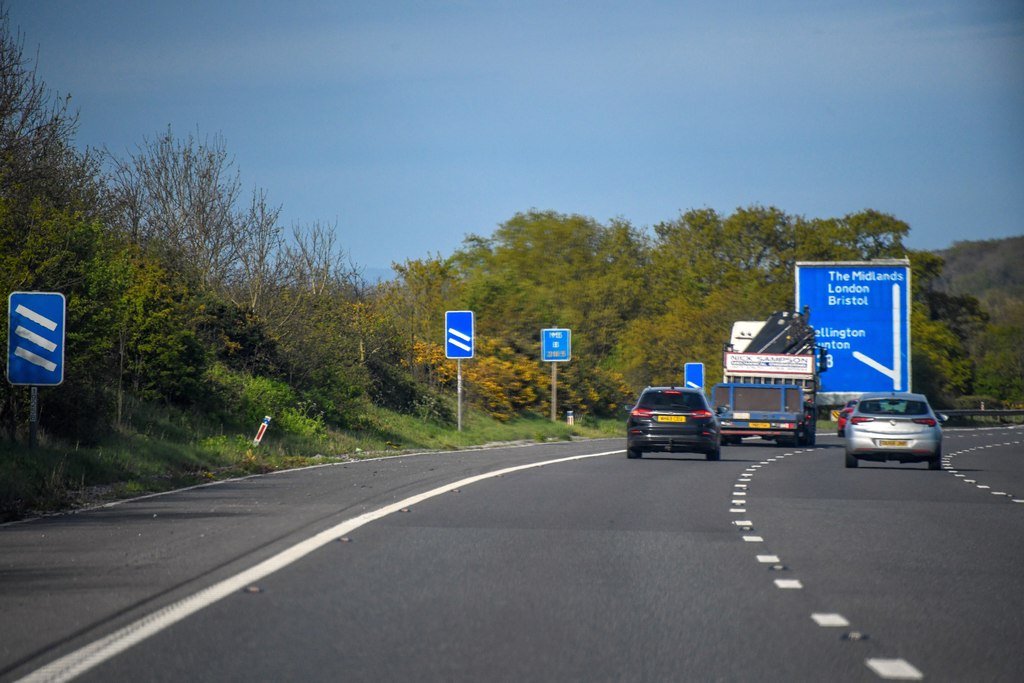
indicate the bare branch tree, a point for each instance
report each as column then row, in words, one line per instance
column 179, row 198
column 259, row 274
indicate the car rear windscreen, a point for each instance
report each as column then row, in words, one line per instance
column 889, row 406
column 669, row 400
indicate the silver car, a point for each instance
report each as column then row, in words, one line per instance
column 894, row 426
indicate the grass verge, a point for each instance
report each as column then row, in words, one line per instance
column 168, row 451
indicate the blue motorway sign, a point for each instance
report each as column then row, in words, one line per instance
column 458, row 335
column 693, row 375
column 555, row 344
column 35, row 338
column 860, row 312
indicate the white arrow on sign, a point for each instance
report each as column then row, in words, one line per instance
column 892, row 373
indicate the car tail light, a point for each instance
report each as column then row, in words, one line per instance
column 702, row 413
column 859, row 419
column 926, row 421
column 642, row 412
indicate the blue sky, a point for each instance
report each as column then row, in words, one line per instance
column 412, row 124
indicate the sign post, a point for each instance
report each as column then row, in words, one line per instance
column 459, row 338
column 555, row 347
column 35, row 346
column 860, row 311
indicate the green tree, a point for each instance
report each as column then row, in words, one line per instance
column 941, row 327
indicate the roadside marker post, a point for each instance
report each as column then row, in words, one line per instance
column 261, row 431
column 459, row 342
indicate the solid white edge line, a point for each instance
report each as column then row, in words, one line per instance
column 78, row 662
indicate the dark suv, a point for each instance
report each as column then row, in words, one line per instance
column 673, row 420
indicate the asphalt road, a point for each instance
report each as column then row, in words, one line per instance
column 774, row 564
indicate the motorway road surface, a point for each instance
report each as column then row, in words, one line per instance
column 774, row 564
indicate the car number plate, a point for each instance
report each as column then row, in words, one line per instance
column 761, row 425
column 671, row 418
column 897, row 443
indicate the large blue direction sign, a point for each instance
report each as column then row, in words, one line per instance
column 458, row 335
column 35, row 338
column 555, row 344
column 860, row 312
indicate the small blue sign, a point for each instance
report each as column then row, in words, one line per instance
column 693, row 375
column 458, row 334
column 35, row 338
column 860, row 312
column 555, row 345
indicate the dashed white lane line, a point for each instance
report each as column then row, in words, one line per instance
column 895, row 669
column 830, row 620
column 889, row 669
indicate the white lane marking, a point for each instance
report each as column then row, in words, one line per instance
column 768, row 559
column 94, row 654
column 743, row 522
column 739, row 510
column 895, row 669
column 829, row 620
column 739, row 493
column 753, row 539
column 789, row 584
